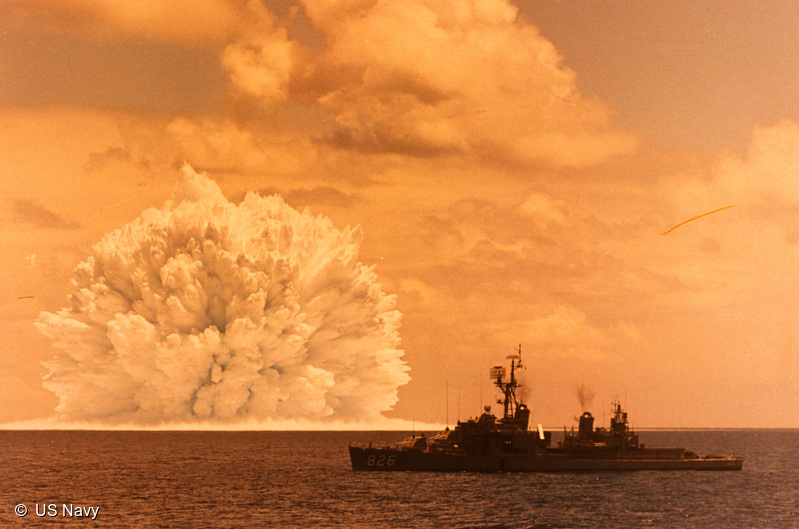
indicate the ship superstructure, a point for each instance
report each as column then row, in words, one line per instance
column 489, row 443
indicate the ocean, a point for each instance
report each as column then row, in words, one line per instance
column 304, row 479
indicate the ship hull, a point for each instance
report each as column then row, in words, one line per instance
column 388, row 459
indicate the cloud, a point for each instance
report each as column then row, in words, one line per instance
column 543, row 206
column 31, row 212
column 323, row 195
column 566, row 332
column 261, row 66
column 178, row 21
column 317, row 196
column 109, row 157
column 764, row 182
column 769, row 175
column 429, row 79
column 717, row 257
column 225, row 146
column 531, row 272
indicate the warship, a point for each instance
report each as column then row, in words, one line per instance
column 507, row 444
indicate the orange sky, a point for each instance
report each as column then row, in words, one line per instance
column 512, row 167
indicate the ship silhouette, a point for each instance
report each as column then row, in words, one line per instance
column 494, row 444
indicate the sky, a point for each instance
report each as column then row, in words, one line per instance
column 511, row 167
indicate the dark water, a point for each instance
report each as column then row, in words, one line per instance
column 303, row 479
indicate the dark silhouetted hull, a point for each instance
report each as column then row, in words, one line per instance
column 505, row 444
column 389, row 459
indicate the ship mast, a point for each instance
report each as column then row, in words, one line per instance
column 508, row 388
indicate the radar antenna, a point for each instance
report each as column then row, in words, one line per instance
column 508, row 387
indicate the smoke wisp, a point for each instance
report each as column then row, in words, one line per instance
column 585, row 395
column 208, row 311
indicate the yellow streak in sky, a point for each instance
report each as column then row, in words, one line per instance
column 698, row 217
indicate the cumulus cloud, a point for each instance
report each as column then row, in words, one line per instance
column 418, row 77
column 261, row 65
column 204, row 310
column 715, row 255
column 769, row 174
column 764, row 182
column 429, row 78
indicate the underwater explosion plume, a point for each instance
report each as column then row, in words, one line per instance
column 208, row 311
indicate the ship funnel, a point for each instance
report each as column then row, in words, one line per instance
column 522, row 415
column 586, row 426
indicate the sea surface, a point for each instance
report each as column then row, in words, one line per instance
column 304, row 479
